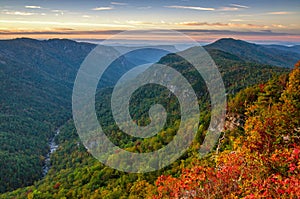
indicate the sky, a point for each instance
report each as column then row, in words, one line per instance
column 203, row 20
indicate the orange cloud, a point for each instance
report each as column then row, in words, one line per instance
column 279, row 13
column 231, row 25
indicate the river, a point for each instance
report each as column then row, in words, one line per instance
column 53, row 146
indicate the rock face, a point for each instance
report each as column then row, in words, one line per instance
column 234, row 121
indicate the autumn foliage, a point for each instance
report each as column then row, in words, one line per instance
column 265, row 161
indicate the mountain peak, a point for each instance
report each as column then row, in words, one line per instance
column 255, row 53
column 230, row 41
column 25, row 39
column 61, row 40
column 227, row 39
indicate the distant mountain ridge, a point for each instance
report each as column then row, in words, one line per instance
column 295, row 48
column 272, row 55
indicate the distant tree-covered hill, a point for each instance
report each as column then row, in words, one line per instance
column 295, row 48
column 273, row 55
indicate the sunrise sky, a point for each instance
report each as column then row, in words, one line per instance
column 204, row 20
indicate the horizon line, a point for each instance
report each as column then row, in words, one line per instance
column 133, row 41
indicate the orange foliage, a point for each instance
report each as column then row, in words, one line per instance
column 267, row 165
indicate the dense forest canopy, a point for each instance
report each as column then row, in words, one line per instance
column 35, row 99
column 257, row 155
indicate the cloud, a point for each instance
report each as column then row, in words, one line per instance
column 86, row 16
column 204, row 24
column 198, row 24
column 59, row 11
column 239, row 6
column 118, row 3
column 192, row 32
column 18, row 13
column 61, row 32
column 144, row 7
column 218, row 24
column 140, row 22
column 237, row 20
column 279, row 13
column 233, row 7
column 195, row 23
column 231, row 33
column 278, row 26
column 229, row 9
column 191, row 8
column 102, row 8
column 245, row 15
column 64, row 29
column 33, row 7
column 65, row 23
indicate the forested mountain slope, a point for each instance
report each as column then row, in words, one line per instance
column 36, row 86
column 263, row 160
column 35, row 98
column 76, row 174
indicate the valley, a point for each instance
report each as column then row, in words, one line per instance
column 37, row 81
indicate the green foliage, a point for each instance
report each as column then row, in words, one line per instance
column 35, row 98
column 36, row 101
